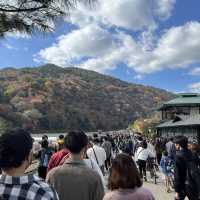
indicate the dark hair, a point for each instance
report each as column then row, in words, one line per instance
column 105, row 138
column 144, row 144
column 182, row 141
column 171, row 139
column 75, row 141
column 123, row 173
column 95, row 135
column 61, row 137
column 44, row 144
column 15, row 146
column 45, row 137
column 96, row 140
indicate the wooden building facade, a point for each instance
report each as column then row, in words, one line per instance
column 181, row 116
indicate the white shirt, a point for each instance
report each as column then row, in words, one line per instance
column 93, row 165
column 100, row 154
column 143, row 154
column 151, row 149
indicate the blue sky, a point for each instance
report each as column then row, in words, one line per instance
column 153, row 43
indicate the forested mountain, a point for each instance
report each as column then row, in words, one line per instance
column 57, row 99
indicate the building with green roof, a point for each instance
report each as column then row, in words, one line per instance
column 181, row 116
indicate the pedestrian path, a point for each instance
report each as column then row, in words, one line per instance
column 159, row 191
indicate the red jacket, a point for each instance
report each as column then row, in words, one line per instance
column 58, row 158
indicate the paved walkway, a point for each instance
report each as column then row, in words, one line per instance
column 159, row 190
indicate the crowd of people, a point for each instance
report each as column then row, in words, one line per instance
column 75, row 168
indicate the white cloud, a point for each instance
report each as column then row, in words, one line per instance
column 164, row 8
column 95, row 48
column 128, row 14
column 195, row 71
column 88, row 42
column 195, row 87
column 177, row 48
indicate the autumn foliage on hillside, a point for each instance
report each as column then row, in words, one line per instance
column 50, row 98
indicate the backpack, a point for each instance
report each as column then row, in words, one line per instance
column 45, row 157
column 128, row 147
column 169, row 164
column 193, row 178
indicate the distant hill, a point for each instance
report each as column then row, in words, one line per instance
column 56, row 99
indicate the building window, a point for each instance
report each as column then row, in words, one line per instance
column 171, row 112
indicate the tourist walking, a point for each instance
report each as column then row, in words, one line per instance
column 15, row 157
column 58, row 158
column 159, row 148
column 170, row 148
column 166, row 165
column 108, row 149
column 97, row 153
column 142, row 154
column 44, row 156
column 74, row 180
column 124, row 181
column 185, row 165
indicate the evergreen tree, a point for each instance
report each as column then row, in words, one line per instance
column 29, row 16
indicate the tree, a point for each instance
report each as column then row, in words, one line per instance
column 29, row 16
column 144, row 126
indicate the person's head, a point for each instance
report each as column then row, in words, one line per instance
column 95, row 135
column 181, row 142
column 171, row 139
column 76, row 142
column 61, row 141
column 140, row 139
column 15, row 149
column 96, row 141
column 105, row 138
column 61, row 137
column 45, row 137
column 123, row 173
column 108, row 136
column 144, row 144
column 44, row 144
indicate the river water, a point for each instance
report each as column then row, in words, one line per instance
column 54, row 136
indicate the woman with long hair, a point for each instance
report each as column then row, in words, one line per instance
column 124, row 181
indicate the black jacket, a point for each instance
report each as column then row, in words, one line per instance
column 182, row 157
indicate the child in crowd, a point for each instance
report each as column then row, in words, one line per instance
column 166, row 165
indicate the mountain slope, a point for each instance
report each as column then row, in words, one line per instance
column 54, row 98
